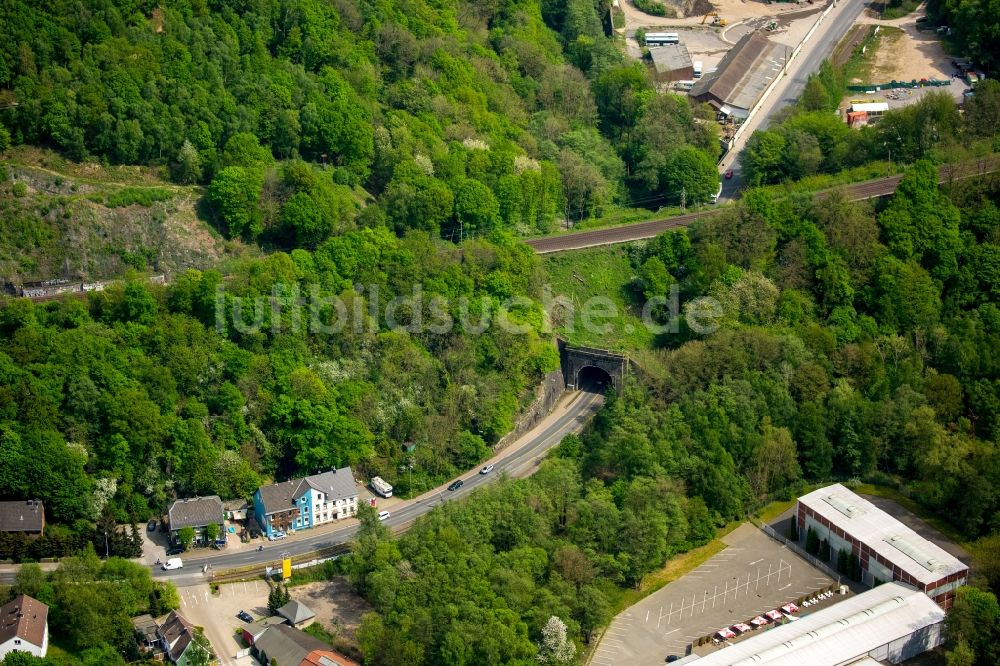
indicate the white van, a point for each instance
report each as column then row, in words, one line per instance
column 173, row 563
column 715, row 197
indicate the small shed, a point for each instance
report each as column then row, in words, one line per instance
column 672, row 62
column 297, row 614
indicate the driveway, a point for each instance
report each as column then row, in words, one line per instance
column 217, row 615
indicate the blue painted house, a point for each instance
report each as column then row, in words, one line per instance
column 299, row 504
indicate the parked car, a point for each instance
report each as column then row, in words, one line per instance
column 175, row 550
column 729, row 174
column 672, row 658
column 455, row 485
column 151, row 527
column 276, row 535
column 173, row 563
column 486, row 470
column 245, row 616
column 382, row 515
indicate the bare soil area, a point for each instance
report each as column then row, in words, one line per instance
column 910, row 54
column 338, row 608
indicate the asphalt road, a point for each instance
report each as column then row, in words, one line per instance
column 519, row 460
column 869, row 189
column 809, row 59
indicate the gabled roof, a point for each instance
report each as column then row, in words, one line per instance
column 25, row 618
column 196, row 512
column 743, row 73
column 337, row 484
column 295, row 612
column 838, row 633
column 327, row 658
column 176, row 633
column 145, row 625
column 22, row 516
column 287, row 645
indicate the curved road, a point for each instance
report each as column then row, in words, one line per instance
column 870, row 189
column 519, row 459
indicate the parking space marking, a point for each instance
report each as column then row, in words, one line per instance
column 783, row 570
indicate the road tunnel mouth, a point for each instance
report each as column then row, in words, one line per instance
column 594, row 380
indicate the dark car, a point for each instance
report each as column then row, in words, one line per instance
column 245, row 616
column 455, row 485
column 174, row 550
column 729, row 174
column 672, row 658
column 152, row 526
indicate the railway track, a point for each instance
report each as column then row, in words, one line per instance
column 871, row 189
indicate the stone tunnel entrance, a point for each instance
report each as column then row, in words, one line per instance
column 592, row 369
column 593, row 379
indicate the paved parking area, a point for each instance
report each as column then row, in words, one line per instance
column 752, row 575
column 217, row 614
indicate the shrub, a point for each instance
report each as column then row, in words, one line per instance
column 655, row 8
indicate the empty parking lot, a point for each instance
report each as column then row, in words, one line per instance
column 752, row 575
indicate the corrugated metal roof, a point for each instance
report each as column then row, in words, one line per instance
column 743, row 73
column 837, row 633
column 894, row 542
column 670, row 58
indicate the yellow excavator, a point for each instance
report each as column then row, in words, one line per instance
column 716, row 20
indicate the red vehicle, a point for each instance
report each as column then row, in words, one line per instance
column 729, row 174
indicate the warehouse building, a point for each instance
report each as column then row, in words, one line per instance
column 890, row 623
column 887, row 549
column 672, row 62
column 742, row 76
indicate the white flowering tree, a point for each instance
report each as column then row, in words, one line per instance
column 556, row 648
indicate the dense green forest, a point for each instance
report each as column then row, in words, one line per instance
column 810, row 139
column 143, row 392
column 455, row 117
column 854, row 344
column 975, row 28
column 91, row 605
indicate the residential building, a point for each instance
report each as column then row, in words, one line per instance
column 196, row 513
column 672, row 62
column 327, row 658
column 236, row 510
column 297, row 614
column 24, row 516
column 890, row 623
column 300, row 504
column 887, row 549
column 741, row 77
column 24, row 627
column 287, row 646
column 179, row 639
column 146, row 633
